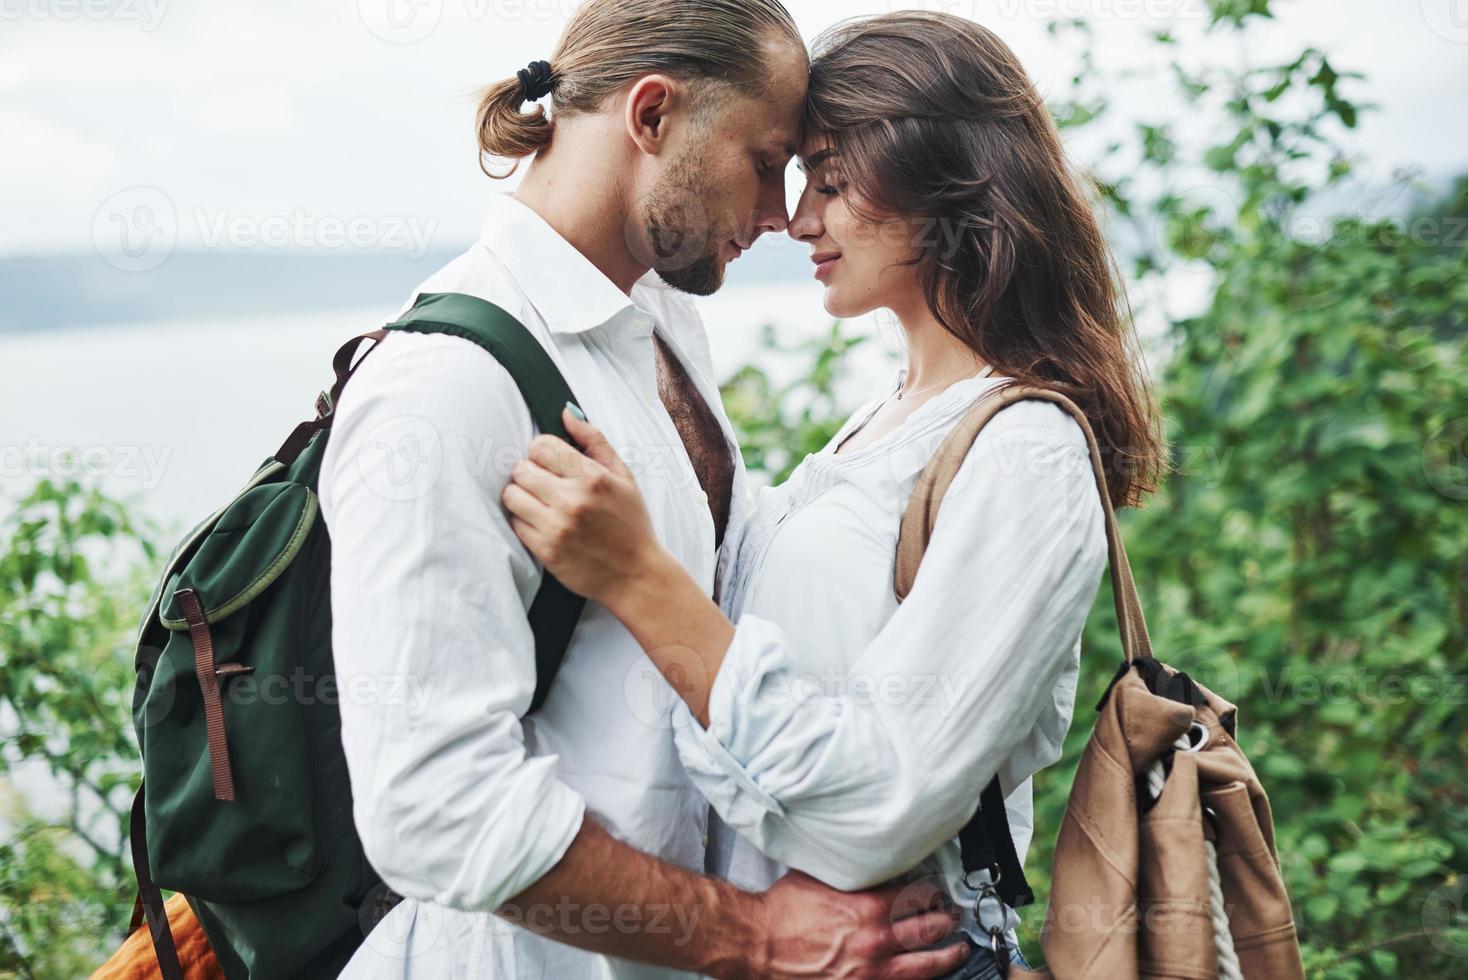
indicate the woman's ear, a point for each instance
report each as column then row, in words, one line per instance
column 650, row 101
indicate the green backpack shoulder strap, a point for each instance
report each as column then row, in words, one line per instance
column 544, row 389
column 555, row 609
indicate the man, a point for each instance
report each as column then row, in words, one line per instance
column 673, row 126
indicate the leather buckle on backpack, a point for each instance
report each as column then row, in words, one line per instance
column 226, row 671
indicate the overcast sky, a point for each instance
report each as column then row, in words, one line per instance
column 336, row 109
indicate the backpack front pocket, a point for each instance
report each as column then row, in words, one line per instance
column 227, row 753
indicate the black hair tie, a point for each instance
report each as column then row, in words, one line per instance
column 535, row 80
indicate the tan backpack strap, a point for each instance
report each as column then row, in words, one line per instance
column 922, row 508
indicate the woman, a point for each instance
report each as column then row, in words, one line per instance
column 836, row 731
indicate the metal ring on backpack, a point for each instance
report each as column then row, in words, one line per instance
column 1198, row 736
column 995, row 873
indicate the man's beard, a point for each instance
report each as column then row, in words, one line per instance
column 676, row 221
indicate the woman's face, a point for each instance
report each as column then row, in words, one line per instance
column 861, row 262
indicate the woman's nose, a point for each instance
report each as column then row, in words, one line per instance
column 806, row 226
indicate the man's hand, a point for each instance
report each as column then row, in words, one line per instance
column 807, row 929
column 800, row 928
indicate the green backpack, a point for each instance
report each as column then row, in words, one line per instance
column 245, row 805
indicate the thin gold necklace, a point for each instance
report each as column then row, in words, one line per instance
column 941, row 384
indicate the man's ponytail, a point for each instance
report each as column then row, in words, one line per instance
column 505, row 131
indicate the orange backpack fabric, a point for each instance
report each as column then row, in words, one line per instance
column 136, row 960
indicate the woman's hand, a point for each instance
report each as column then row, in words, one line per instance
column 582, row 514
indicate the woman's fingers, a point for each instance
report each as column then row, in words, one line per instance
column 529, row 536
column 563, row 459
column 528, row 508
column 544, row 485
column 593, row 442
column 915, row 897
column 921, row 931
column 929, row 962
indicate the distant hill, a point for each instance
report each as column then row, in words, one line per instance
column 49, row 292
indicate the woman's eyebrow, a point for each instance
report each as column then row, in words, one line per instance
column 814, row 161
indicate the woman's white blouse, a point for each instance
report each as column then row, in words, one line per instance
column 850, row 737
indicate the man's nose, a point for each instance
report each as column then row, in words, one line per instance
column 777, row 222
column 773, row 215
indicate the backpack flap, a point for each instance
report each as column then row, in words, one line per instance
column 249, row 547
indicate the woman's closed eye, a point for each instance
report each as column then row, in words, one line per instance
column 829, row 186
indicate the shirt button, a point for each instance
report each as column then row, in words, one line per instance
column 705, row 839
column 703, row 498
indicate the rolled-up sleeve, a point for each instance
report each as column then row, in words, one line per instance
column 857, row 788
column 434, row 656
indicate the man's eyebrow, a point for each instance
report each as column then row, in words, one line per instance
column 814, row 161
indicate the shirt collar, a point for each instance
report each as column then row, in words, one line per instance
column 566, row 289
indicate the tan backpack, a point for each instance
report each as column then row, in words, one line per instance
column 1164, row 864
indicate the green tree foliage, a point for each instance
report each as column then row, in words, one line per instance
column 780, row 424
column 70, row 590
column 1308, row 557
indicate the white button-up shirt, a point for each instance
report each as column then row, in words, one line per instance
column 461, row 802
column 850, row 737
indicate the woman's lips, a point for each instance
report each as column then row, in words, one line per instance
column 824, row 264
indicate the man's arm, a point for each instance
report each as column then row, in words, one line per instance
column 610, row 898
column 433, row 652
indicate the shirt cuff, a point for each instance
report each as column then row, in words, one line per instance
column 558, row 818
column 711, row 755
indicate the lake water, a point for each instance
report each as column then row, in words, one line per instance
column 175, row 416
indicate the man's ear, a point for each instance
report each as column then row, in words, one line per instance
column 650, row 101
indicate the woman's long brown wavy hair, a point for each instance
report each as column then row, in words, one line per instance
column 932, row 115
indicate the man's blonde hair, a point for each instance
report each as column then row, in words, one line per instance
column 714, row 44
